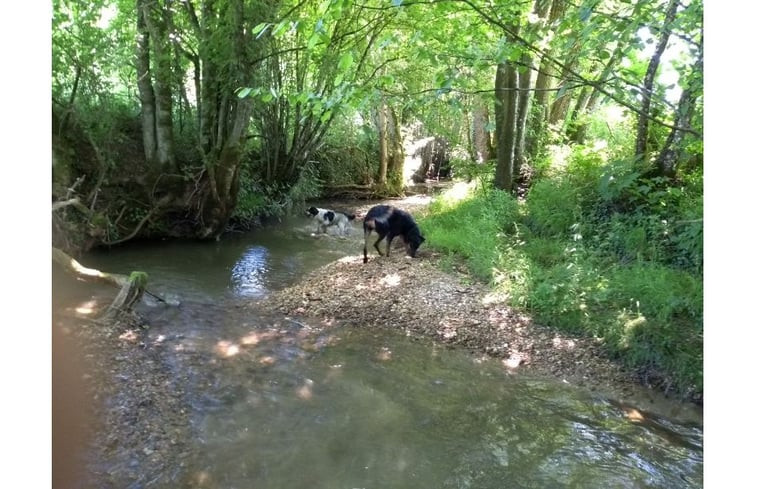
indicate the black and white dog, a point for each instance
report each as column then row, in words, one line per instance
column 327, row 218
column 389, row 222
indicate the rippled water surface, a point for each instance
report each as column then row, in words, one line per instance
column 281, row 404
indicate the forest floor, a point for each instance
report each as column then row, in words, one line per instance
column 426, row 296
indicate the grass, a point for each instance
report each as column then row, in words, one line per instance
column 647, row 313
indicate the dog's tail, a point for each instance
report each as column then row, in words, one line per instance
column 350, row 217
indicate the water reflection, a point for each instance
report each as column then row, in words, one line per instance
column 248, row 277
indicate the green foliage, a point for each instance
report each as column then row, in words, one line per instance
column 348, row 153
column 471, row 228
column 473, row 171
column 596, row 249
column 260, row 200
column 553, row 207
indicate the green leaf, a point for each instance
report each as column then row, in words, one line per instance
column 244, row 92
column 260, row 27
column 265, row 26
column 345, row 62
column 279, row 27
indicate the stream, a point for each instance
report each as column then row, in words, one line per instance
column 269, row 402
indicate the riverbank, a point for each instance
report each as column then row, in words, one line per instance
column 419, row 297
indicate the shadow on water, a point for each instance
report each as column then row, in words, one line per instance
column 276, row 403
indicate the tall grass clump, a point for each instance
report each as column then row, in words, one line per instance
column 471, row 226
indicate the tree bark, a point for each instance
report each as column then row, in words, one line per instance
column 671, row 153
column 539, row 114
column 144, row 85
column 396, row 166
column 383, row 144
column 482, row 142
column 642, row 129
column 505, row 89
column 157, row 19
column 524, row 101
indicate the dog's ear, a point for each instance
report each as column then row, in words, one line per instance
column 312, row 211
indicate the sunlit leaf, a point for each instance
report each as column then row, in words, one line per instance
column 345, row 61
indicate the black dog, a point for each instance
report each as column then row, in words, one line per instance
column 390, row 222
column 327, row 218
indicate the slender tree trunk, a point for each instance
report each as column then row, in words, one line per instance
column 482, row 142
column 577, row 125
column 505, row 89
column 383, row 144
column 668, row 159
column 157, row 20
column 539, row 114
column 144, row 84
column 642, row 129
column 524, row 101
column 395, row 170
column 579, row 109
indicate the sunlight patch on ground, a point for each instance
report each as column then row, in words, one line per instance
column 494, row 298
column 563, row 344
column 86, row 308
column 226, row 349
column 129, row 335
column 250, row 339
column 514, row 361
column 417, row 199
column 351, row 259
column 392, row 280
column 458, row 192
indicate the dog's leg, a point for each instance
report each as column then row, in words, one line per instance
column 365, row 244
column 389, row 239
column 376, row 244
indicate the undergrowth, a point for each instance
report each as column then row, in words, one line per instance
column 595, row 249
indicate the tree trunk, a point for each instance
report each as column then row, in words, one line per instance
column 671, row 153
column 397, row 160
column 539, row 114
column 144, row 84
column 383, row 145
column 579, row 109
column 223, row 175
column 482, row 142
column 158, row 62
column 578, row 126
column 524, row 101
column 505, row 89
column 642, row 129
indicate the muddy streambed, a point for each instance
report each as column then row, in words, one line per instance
column 219, row 393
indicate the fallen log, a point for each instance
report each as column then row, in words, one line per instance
column 132, row 287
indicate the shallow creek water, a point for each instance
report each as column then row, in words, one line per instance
column 275, row 403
